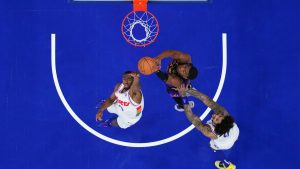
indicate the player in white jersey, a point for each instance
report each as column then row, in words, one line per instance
column 126, row 101
column 221, row 128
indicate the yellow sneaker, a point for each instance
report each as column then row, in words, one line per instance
column 221, row 165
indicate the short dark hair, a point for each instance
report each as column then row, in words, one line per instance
column 127, row 72
column 224, row 126
column 193, row 73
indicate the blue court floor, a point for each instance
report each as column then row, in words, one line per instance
column 261, row 87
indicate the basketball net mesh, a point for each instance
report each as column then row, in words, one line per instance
column 144, row 19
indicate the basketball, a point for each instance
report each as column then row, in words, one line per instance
column 147, row 65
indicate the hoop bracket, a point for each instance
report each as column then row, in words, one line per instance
column 140, row 5
column 140, row 27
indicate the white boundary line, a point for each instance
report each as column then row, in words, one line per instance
column 130, row 144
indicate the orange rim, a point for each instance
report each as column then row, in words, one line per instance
column 139, row 45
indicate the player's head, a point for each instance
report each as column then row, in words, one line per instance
column 127, row 79
column 217, row 118
column 224, row 125
column 187, row 71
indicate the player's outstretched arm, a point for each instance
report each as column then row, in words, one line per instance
column 208, row 101
column 196, row 121
column 135, row 89
column 177, row 55
column 108, row 102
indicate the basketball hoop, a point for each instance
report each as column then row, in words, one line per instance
column 140, row 27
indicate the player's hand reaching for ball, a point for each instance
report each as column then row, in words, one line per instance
column 158, row 63
column 135, row 74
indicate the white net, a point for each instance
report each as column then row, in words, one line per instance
column 140, row 28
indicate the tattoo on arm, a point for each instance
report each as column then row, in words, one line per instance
column 208, row 102
column 196, row 121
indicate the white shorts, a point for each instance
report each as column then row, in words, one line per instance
column 123, row 121
column 216, row 146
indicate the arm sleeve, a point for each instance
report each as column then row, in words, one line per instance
column 162, row 75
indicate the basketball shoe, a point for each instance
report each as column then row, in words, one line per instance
column 224, row 165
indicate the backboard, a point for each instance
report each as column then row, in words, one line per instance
column 140, row 27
